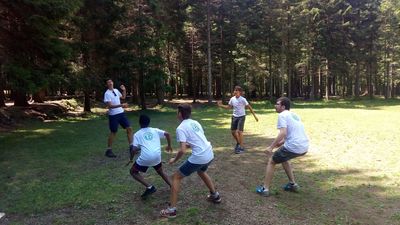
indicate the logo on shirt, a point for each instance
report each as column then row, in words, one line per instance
column 295, row 117
column 195, row 127
column 148, row 136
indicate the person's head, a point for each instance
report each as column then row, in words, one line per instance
column 282, row 104
column 237, row 91
column 110, row 83
column 184, row 111
column 144, row 121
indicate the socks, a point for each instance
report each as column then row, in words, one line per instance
column 149, row 187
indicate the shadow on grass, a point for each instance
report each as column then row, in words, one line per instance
column 87, row 188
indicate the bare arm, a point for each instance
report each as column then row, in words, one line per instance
column 181, row 152
column 279, row 140
column 111, row 106
column 133, row 152
column 168, row 137
column 123, row 92
column 252, row 112
column 224, row 106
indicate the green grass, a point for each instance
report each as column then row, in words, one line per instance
column 50, row 171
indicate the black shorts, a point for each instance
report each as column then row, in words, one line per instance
column 282, row 155
column 238, row 123
column 118, row 119
column 136, row 167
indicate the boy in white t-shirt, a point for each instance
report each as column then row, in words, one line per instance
column 191, row 134
column 239, row 105
column 116, row 115
column 292, row 142
column 147, row 140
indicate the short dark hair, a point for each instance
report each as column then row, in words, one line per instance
column 185, row 110
column 107, row 79
column 144, row 121
column 237, row 87
column 285, row 102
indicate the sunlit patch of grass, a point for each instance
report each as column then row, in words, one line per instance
column 350, row 175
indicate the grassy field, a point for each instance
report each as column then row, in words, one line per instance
column 55, row 172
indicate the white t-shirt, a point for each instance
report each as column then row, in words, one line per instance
column 191, row 132
column 296, row 138
column 148, row 141
column 239, row 105
column 109, row 96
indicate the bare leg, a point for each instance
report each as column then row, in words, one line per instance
column 136, row 175
column 269, row 173
column 235, row 136
column 129, row 134
column 289, row 172
column 110, row 139
column 176, row 183
column 164, row 176
column 240, row 137
column 207, row 180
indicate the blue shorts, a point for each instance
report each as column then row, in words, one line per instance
column 188, row 168
column 118, row 119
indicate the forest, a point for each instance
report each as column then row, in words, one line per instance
column 303, row 49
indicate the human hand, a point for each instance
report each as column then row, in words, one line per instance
column 124, row 105
column 171, row 161
column 268, row 152
column 168, row 149
column 122, row 88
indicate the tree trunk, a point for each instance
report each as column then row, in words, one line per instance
column 326, row 80
column 209, row 52
column 20, row 98
column 2, row 82
column 86, row 105
column 141, row 89
column 357, row 81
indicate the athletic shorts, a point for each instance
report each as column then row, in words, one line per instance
column 118, row 119
column 136, row 167
column 188, row 168
column 238, row 123
column 282, row 155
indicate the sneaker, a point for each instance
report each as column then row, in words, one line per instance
column 148, row 192
column 110, row 154
column 291, row 187
column 239, row 150
column 168, row 213
column 261, row 191
column 215, row 198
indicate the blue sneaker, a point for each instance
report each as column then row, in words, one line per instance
column 239, row 150
column 291, row 187
column 261, row 191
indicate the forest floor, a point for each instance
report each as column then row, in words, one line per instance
column 55, row 172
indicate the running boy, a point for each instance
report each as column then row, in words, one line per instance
column 147, row 140
column 239, row 104
column 191, row 134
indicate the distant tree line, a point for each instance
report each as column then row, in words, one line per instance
column 309, row 49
